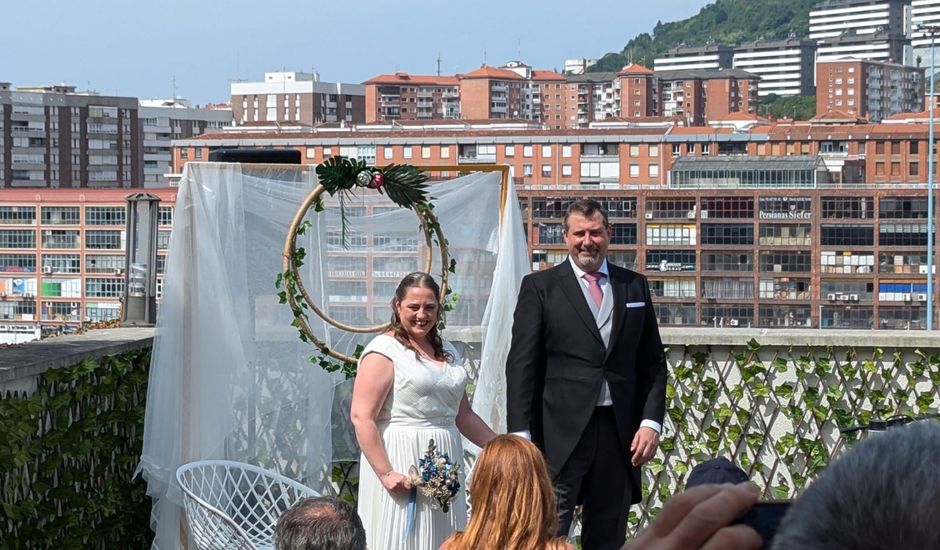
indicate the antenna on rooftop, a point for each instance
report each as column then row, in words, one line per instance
column 173, row 97
column 438, row 63
column 519, row 48
column 484, row 56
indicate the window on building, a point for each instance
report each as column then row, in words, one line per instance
column 779, row 234
column 388, row 152
column 847, row 235
column 623, row 233
column 510, row 151
column 727, row 261
column 634, row 149
column 60, row 215
column 104, row 287
column 785, row 261
column 105, row 215
column 526, row 169
column 907, row 234
column 406, row 151
column 566, row 170
column 546, row 170
column 566, row 151
column 102, row 263
column 60, row 238
column 17, row 215
column 670, row 260
column 653, row 170
column 546, row 151
column 104, row 240
column 634, row 170
column 17, row 263
column 670, row 234
column 728, row 207
column 848, row 207
column 425, row 151
column 61, row 263
column 527, row 151
column 670, row 208
column 727, row 233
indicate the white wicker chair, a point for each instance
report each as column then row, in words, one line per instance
column 231, row 505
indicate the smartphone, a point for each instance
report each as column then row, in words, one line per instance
column 764, row 517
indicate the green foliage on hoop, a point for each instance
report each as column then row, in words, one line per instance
column 405, row 186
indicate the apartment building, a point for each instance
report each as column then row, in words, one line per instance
column 57, row 137
column 296, row 98
column 869, row 89
column 864, row 29
column 402, row 96
column 832, row 18
column 638, row 87
column 696, row 96
column 881, row 46
column 491, row 92
column 162, row 121
column 550, row 99
column 923, row 12
column 712, row 56
column 62, row 257
column 785, row 67
column 596, row 97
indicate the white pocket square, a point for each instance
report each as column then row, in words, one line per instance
column 636, row 304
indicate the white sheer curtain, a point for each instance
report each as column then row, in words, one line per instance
column 230, row 377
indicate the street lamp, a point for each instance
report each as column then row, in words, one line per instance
column 933, row 31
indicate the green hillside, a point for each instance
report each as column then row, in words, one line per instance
column 723, row 22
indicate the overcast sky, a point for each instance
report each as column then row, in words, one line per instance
column 138, row 48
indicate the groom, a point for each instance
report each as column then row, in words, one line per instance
column 586, row 378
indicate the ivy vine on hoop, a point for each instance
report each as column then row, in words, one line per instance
column 339, row 176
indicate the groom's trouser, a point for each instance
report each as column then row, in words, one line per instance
column 597, row 476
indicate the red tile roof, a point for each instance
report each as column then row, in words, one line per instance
column 547, row 75
column 415, row 79
column 633, row 68
column 838, row 116
column 486, row 71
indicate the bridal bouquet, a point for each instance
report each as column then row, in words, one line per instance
column 436, row 476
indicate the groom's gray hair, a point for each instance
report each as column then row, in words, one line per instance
column 884, row 494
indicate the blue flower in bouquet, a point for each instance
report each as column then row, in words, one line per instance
column 437, row 477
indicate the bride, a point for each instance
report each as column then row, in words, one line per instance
column 409, row 389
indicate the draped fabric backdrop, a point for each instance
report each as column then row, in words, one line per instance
column 230, row 378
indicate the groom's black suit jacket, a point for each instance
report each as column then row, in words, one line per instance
column 557, row 362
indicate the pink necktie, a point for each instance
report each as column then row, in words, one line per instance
column 594, row 287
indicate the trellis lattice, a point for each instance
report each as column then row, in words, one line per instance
column 777, row 410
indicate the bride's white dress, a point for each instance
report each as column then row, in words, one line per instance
column 422, row 405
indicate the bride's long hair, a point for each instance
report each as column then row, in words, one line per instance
column 418, row 279
column 511, row 498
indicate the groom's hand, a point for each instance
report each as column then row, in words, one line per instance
column 644, row 445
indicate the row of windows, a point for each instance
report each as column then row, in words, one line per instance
column 96, row 239
column 69, row 215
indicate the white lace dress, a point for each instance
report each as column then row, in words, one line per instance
column 421, row 405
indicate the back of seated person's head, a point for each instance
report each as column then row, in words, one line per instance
column 320, row 523
column 884, row 493
column 512, row 500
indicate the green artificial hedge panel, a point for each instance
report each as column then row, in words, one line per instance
column 68, row 453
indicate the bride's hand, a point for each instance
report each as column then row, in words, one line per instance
column 395, row 482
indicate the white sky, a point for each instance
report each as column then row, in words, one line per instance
column 137, row 48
